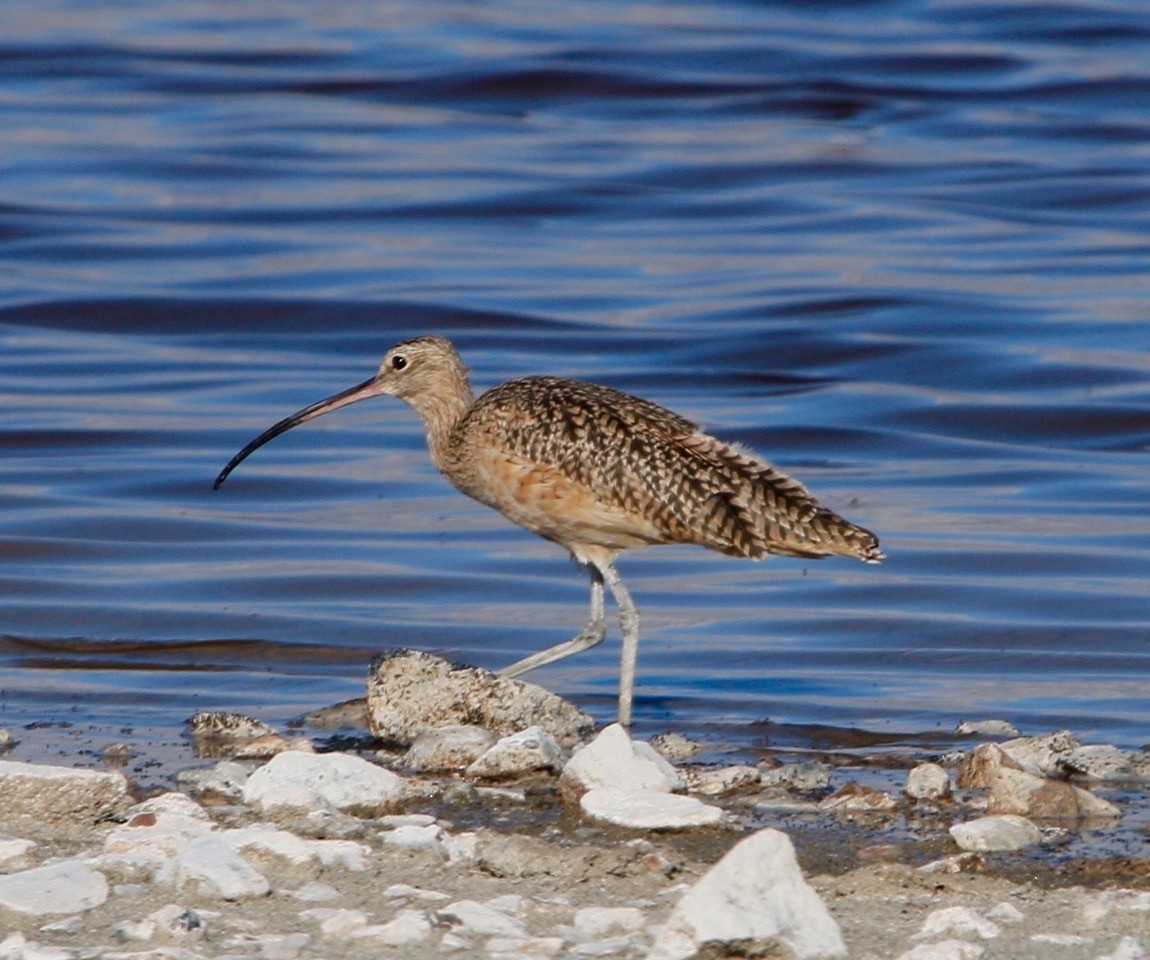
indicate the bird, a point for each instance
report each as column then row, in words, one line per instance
column 597, row 471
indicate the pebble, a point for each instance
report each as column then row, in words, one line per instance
column 723, row 781
column 407, row 927
column 1128, row 948
column 403, row 891
column 518, row 755
column 957, row 920
column 414, row 837
column 316, row 892
column 208, row 867
column 675, row 747
column 1005, row 913
column 647, row 810
column 804, row 777
column 928, row 781
column 69, row 886
column 480, row 920
column 944, row 950
column 856, row 798
column 447, row 748
column 223, row 726
column 756, row 893
column 1005, row 832
column 595, row 923
column 616, row 761
column 328, row 781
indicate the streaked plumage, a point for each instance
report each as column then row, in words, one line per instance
column 597, row 471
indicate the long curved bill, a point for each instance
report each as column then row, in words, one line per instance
column 361, row 391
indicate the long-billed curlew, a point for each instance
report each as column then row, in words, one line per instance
column 597, row 471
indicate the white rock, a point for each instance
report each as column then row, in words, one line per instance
column 1128, row 948
column 281, row 946
column 1041, row 755
column 53, row 795
column 603, row 948
column 157, row 831
column 460, row 848
column 327, row 781
column 408, row 926
column 403, row 891
column 1061, row 939
column 15, row 947
column 957, row 920
column 208, row 867
column 1005, row 913
column 451, row 747
column 944, row 950
column 857, row 798
column 1101, row 762
column 595, row 923
column 337, row 924
column 226, row 779
column 614, row 760
column 986, row 728
column 315, row 892
column 518, row 948
column 518, row 755
column 755, row 893
column 14, row 850
column 510, row 903
column 414, row 838
column 479, row 920
column 70, row 886
column 1005, row 832
column 265, row 840
column 646, row 810
column 928, row 781
column 394, row 820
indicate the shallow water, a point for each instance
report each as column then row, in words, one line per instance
column 898, row 248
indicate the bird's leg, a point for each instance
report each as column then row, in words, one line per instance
column 588, row 637
column 629, row 621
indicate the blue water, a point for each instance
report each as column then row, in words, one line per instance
column 902, row 249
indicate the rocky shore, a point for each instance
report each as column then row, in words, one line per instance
column 489, row 818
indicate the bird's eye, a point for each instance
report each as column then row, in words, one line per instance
column 398, row 362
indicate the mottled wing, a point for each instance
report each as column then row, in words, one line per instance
column 637, row 473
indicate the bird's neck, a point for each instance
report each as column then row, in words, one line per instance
column 440, row 414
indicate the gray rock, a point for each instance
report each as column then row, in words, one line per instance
column 1007, row 832
column 928, row 781
column 1105, row 762
column 14, row 852
column 208, row 867
column 754, row 897
column 674, row 747
column 326, row 781
column 614, row 760
column 409, row 693
column 448, row 748
column 648, row 810
column 406, row 928
column 70, row 886
column 223, row 726
column 804, row 777
column 347, row 713
column 38, row 796
column 721, row 782
column 518, row 755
